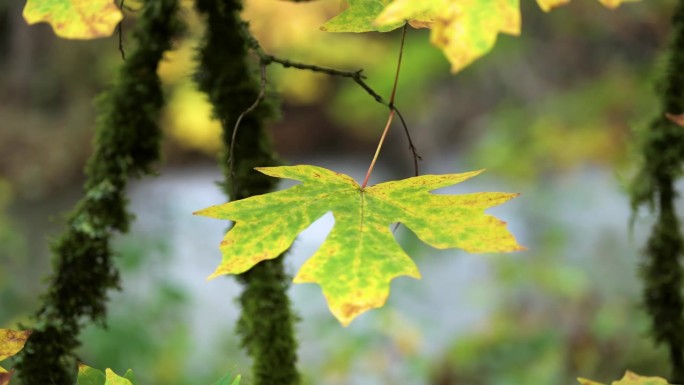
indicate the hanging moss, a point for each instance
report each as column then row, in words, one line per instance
column 126, row 145
column 663, row 148
column 231, row 82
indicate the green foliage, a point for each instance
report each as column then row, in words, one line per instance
column 75, row 19
column 360, row 257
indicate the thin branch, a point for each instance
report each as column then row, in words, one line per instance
column 357, row 76
column 392, row 110
column 260, row 97
column 119, row 30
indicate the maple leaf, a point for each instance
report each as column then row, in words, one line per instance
column 630, row 378
column 11, row 342
column 465, row 30
column 360, row 256
column 75, row 19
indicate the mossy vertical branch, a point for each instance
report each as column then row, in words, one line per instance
column 663, row 148
column 225, row 74
column 126, row 145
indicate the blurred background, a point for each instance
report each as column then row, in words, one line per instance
column 551, row 114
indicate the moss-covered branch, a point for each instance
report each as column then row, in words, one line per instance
column 126, row 145
column 663, row 148
column 226, row 75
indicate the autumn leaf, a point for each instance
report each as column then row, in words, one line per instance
column 360, row 256
column 92, row 376
column 630, row 378
column 11, row 342
column 464, row 30
column 75, row 19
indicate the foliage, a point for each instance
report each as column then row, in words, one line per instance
column 630, row 378
column 360, row 257
column 75, row 19
column 464, row 30
column 11, row 342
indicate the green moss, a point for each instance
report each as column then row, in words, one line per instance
column 663, row 149
column 126, row 145
column 227, row 76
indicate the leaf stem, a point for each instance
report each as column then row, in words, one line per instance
column 391, row 106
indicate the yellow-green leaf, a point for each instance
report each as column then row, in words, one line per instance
column 360, row 256
column 630, row 378
column 114, row 379
column 75, row 19
column 89, row 376
column 464, row 29
column 359, row 17
column 11, row 342
column 547, row 5
column 92, row 376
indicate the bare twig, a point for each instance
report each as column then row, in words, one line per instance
column 260, row 97
column 119, row 30
column 357, row 76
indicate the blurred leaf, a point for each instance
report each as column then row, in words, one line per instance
column 11, row 342
column 677, row 119
column 547, row 5
column 114, row 379
column 360, row 17
column 75, row 19
column 90, row 376
column 360, row 257
column 630, row 378
column 229, row 380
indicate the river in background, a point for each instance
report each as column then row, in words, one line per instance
column 422, row 319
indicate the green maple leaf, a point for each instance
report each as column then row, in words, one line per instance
column 630, row 378
column 75, row 19
column 360, row 256
column 11, row 342
column 92, row 376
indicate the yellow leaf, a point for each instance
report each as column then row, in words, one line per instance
column 464, row 29
column 11, row 342
column 75, row 19
column 547, row 5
